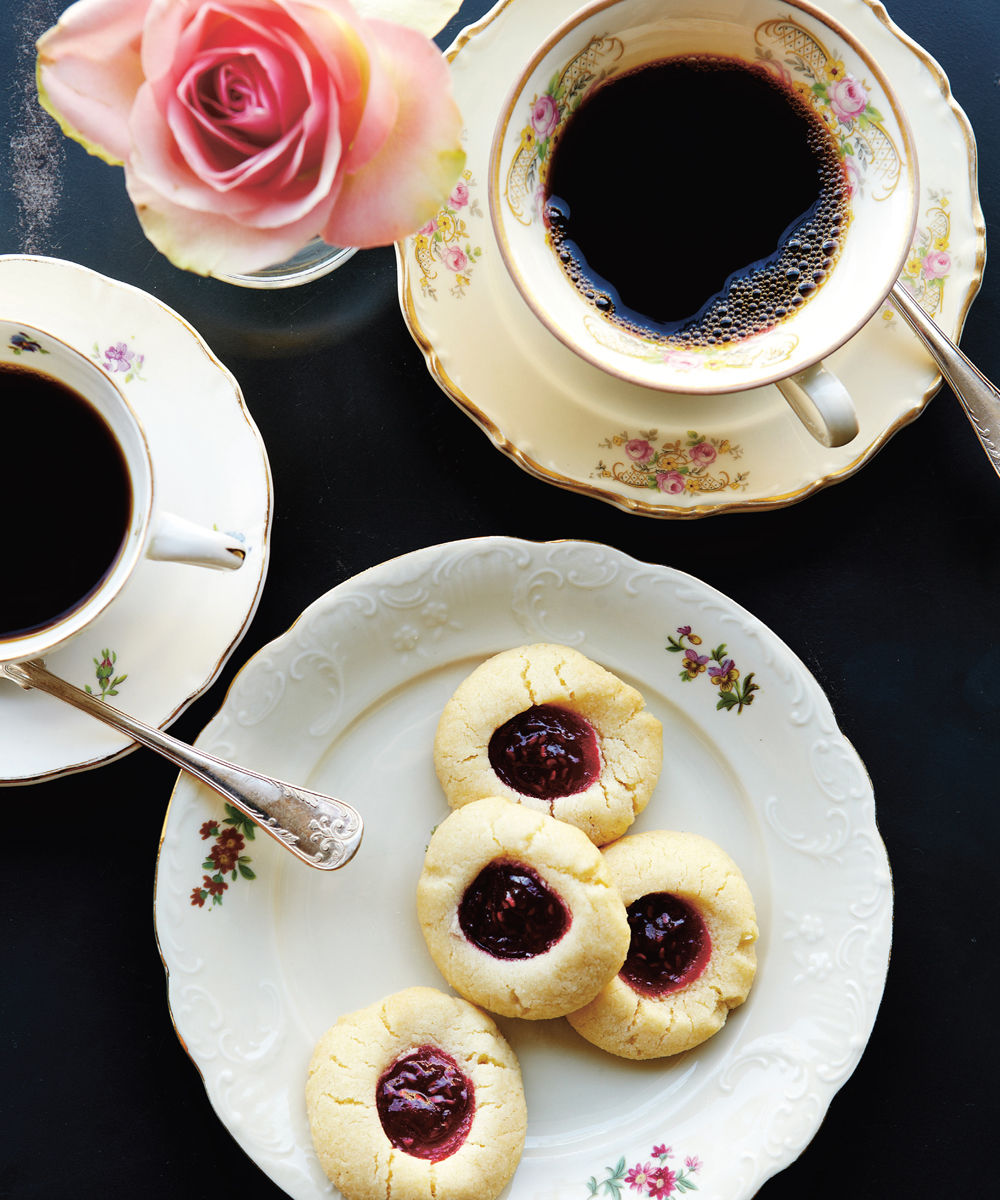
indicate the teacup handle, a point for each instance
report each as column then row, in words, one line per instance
column 822, row 404
column 173, row 539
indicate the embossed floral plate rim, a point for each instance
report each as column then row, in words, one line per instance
column 262, row 954
column 790, row 466
column 211, row 467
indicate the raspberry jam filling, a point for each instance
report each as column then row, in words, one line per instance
column 510, row 913
column 546, row 751
column 425, row 1103
column 670, row 945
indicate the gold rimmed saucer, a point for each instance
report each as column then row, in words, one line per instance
column 571, row 424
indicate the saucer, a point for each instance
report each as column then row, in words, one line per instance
column 569, row 423
column 263, row 957
column 169, row 633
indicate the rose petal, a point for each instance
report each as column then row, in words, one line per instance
column 214, row 244
column 427, row 16
column 89, row 72
column 404, row 185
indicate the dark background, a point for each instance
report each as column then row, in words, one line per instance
column 885, row 585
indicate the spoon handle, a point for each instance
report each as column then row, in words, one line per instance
column 978, row 396
column 319, row 830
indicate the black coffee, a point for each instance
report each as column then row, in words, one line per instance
column 696, row 200
column 65, row 500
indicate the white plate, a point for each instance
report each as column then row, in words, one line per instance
column 567, row 422
column 173, row 627
column 347, row 702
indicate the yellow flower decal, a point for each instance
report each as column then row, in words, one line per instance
column 835, row 70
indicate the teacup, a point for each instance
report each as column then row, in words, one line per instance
column 814, row 63
column 35, row 364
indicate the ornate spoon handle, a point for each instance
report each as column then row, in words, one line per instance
column 319, row 830
column 979, row 398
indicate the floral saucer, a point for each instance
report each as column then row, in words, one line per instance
column 211, row 467
column 569, row 423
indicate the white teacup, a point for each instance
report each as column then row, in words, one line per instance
column 797, row 44
column 150, row 532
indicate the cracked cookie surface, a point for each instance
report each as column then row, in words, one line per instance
column 359, row 1061
column 625, row 1021
column 600, row 794
column 519, row 911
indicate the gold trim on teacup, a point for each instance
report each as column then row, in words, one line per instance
column 682, row 385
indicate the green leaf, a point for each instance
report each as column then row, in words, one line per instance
column 863, row 122
column 819, row 89
column 848, row 148
column 693, row 434
column 87, row 687
column 234, row 875
column 208, row 865
column 248, row 874
column 873, row 114
column 111, row 692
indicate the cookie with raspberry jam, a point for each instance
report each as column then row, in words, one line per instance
column 417, row 1096
column 519, row 911
column 549, row 729
column 691, row 952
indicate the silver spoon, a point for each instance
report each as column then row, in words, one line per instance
column 319, row 830
column 979, row 398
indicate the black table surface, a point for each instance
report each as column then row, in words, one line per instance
column 885, row 585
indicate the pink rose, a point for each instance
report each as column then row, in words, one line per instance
column 639, row 450
column 848, row 98
column 681, row 360
column 459, row 197
column 852, row 174
column 247, row 127
column 671, row 482
column 544, row 116
column 703, row 454
column 776, row 69
column 937, row 264
column 455, row 259
column 428, row 229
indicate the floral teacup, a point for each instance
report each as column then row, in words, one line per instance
column 822, row 65
column 150, row 532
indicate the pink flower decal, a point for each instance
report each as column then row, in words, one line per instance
column 639, row 1176
column 693, row 1163
column 544, row 116
column 852, row 174
column 247, row 127
column 848, row 98
column 639, row 450
column 681, row 360
column 937, row 264
column 671, row 482
column 662, row 1151
column 662, row 1182
column 118, row 358
column 777, row 69
column 703, row 454
column 455, row 259
column 428, row 229
column 459, row 197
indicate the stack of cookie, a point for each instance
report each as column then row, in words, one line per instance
column 644, row 946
